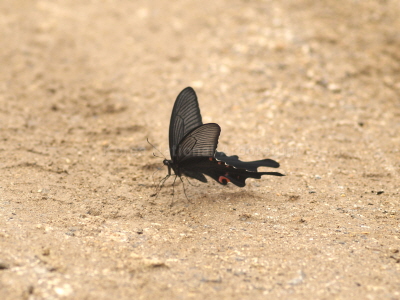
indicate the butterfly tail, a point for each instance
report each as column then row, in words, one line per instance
column 239, row 178
column 248, row 165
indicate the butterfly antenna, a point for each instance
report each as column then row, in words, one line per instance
column 155, row 149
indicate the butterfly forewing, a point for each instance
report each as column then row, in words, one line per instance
column 185, row 117
column 200, row 142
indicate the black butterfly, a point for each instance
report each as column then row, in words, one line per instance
column 193, row 147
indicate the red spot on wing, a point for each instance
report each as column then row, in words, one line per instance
column 210, row 158
column 223, row 180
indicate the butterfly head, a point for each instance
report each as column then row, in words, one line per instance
column 168, row 163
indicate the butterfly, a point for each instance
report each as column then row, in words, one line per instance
column 193, row 145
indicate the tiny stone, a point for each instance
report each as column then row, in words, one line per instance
column 334, row 88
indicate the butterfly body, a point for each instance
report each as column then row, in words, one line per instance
column 193, row 148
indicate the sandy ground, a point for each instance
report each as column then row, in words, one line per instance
column 314, row 85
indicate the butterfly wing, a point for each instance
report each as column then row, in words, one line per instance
column 185, row 117
column 202, row 141
column 248, row 165
column 221, row 172
column 195, row 175
column 199, row 143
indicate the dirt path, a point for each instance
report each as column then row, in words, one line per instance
column 314, row 85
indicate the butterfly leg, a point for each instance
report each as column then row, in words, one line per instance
column 160, row 186
column 154, row 173
column 184, row 190
column 173, row 192
column 154, row 184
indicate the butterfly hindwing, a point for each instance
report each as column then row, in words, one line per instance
column 201, row 141
column 195, row 175
column 248, row 165
column 220, row 171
